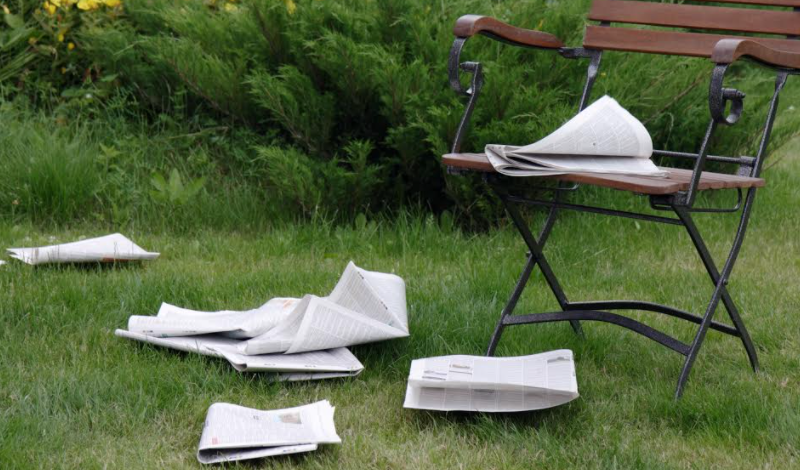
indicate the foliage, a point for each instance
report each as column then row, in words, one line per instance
column 309, row 82
column 49, row 174
column 174, row 191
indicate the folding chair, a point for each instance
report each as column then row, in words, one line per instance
column 675, row 193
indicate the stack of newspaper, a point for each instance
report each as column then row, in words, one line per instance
column 234, row 432
column 314, row 332
column 603, row 138
column 492, row 384
column 107, row 249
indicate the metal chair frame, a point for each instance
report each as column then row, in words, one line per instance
column 681, row 203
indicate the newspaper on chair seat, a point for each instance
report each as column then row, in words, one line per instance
column 603, row 138
column 232, row 432
column 492, row 384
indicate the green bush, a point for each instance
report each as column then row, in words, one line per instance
column 345, row 104
column 49, row 174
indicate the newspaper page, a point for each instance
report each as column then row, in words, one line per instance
column 363, row 307
column 338, row 362
column 110, row 248
column 603, row 138
column 233, row 432
column 492, row 384
column 176, row 321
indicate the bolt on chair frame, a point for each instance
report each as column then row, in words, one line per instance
column 681, row 204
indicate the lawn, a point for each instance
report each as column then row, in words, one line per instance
column 73, row 395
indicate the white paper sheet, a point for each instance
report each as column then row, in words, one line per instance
column 233, row 432
column 177, row 321
column 603, row 138
column 364, row 306
column 492, row 384
column 338, row 362
column 109, row 248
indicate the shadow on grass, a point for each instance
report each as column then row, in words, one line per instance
column 89, row 267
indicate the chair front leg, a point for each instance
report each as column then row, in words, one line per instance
column 535, row 257
column 720, row 281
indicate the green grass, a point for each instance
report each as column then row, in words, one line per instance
column 73, row 395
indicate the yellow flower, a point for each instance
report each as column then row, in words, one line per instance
column 230, row 7
column 32, row 40
column 55, row 2
column 60, row 37
column 49, row 7
column 291, row 7
column 88, row 4
column 6, row 10
column 71, row 46
column 112, row 3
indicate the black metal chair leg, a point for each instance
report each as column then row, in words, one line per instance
column 698, row 340
column 720, row 289
column 535, row 257
column 536, row 251
column 512, row 303
column 733, row 311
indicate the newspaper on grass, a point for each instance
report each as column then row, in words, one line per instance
column 365, row 306
column 328, row 364
column 603, row 138
column 492, row 384
column 232, row 432
column 107, row 249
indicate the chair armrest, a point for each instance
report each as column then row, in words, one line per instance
column 470, row 25
column 727, row 51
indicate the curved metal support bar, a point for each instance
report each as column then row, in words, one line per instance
column 453, row 62
column 719, row 96
column 453, row 67
column 594, row 315
column 648, row 307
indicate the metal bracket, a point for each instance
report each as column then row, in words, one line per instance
column 667, row 203
column 719, row 96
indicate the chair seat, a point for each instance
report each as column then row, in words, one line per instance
column 677, row 180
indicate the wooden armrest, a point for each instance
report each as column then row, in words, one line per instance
column 470, row 25
column 728, row 50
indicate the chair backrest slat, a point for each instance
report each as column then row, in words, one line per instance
column 697, row 16
column 669, row 42
column 771, row 3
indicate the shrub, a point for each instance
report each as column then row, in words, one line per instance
column 48, row 174
column 322, row 82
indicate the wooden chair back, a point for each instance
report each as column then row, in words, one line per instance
column 778, row 28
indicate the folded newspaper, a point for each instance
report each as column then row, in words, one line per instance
column 365, row 306
column 234, row 432
column 107, row 249
column 492, row 384
column 603, row 138
column 328, row 364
